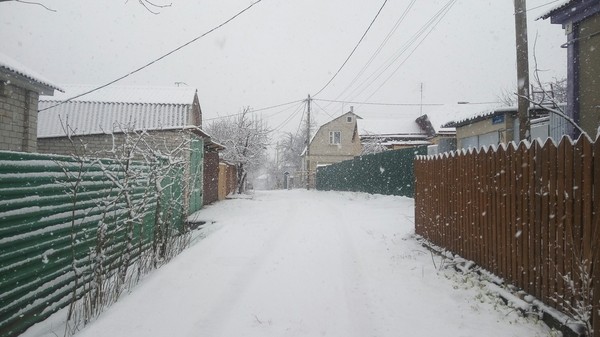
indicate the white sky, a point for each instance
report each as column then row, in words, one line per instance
column 281, row 50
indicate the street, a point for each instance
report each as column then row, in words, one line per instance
column 308, row 263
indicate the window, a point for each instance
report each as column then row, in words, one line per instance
column 335, row 137
column 349, row 119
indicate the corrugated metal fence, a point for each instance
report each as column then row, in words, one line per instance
column 528, row 214
column 389, row 172
column 63, row 220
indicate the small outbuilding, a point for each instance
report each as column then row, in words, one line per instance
column 20, row 88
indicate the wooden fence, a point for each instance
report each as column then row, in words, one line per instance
column 528, row 214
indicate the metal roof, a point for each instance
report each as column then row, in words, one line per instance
column 562, row 4
column 126, row 94
column 115, row 110
column 9, row 64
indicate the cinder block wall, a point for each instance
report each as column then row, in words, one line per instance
column 18, row 118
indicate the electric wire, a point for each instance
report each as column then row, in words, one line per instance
column 411, row 53
column 255, row 110
column 159, row 58
column 381, row 45
column 406, row 47
column 376, row 103
column 353, row 50
column 540, row 6
column 288, row 119
column 320, row 107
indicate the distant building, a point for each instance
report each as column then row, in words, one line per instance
column 99, row 123
column 501, row 125
column 20, row 88
column 581, row 21
column 334, row 142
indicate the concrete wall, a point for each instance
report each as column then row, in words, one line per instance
column 18, row 118
column 589, row 75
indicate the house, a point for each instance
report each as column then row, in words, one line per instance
column 20, row 88
column 102, row 122
column 334, row 142
column 581, row 21
column 395, row 130
column 493, row 126
column 377, row 130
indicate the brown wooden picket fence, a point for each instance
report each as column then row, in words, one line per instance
column 529, row 214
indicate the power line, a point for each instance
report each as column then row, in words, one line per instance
column 383, row 43
column 540, row 6
column 287, row 120
column 353, row 50
column 256, row 110
column 158, row 59
column 390, row 61
column 413, row 51
column 320, row 107
column 375, row 103
column 427, row 29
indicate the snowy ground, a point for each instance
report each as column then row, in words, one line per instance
column 307, row 263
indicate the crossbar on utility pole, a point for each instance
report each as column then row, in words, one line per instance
column 308, row 144
column 522, row 68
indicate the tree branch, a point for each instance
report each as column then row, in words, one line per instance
column 32, row 3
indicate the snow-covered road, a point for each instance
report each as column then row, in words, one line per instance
column 307, row 263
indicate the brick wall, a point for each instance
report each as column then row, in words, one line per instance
column 18, row 118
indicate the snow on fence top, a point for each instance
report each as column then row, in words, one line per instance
column 10, row 64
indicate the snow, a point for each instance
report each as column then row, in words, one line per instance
column 127, row 94
column 15, row 66
column 306, row 263
column 561, row 4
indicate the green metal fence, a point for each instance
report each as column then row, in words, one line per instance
column 62, row 219
column 389, row 172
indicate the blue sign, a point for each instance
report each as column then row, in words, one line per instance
column 499, row 119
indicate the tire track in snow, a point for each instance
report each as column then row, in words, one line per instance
column 220, row 312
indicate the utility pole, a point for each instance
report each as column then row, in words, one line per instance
column 308, row 144
column 522, row 67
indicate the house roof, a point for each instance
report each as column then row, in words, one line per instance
column 561, row 5
column 13, row 67
column 572, row 10
column 492, row 111
column 388, row 123
column 127, row 94
column 155, row 108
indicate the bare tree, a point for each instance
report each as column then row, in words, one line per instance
column 246, row 139
column 148, row 5
column 552, row 92
column 372, row 144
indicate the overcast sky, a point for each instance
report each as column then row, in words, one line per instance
column 283, row 50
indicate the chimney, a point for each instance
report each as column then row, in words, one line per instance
column 352, row 108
